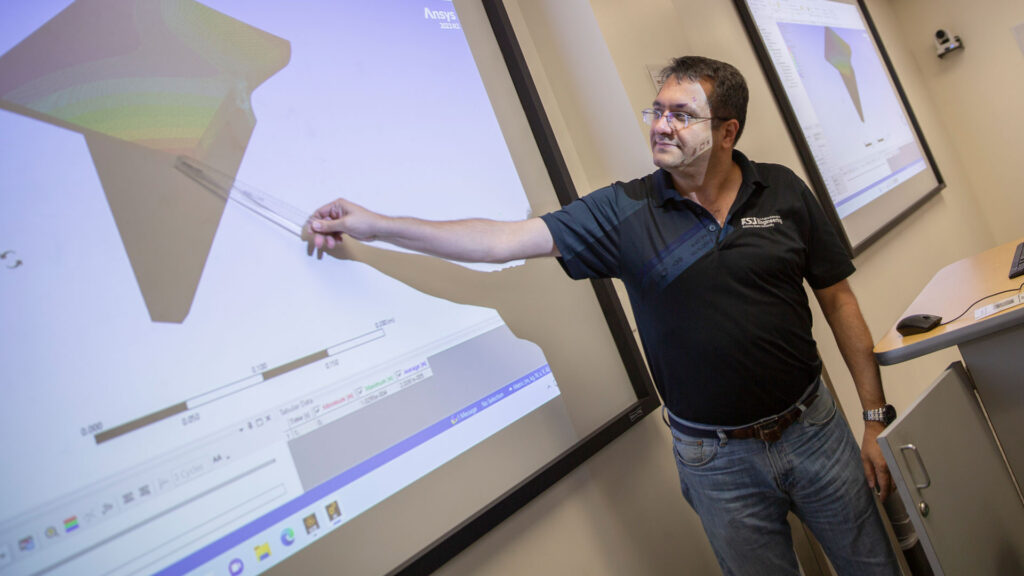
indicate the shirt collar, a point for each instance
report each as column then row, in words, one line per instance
column 665, row 192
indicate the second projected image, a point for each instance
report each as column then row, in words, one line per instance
column 859, row 115
column 865, row 154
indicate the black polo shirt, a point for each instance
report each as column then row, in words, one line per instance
column 722, row 312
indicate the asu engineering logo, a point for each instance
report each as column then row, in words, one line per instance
column 766, row 222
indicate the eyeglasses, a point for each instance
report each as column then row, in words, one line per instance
column 680, row 119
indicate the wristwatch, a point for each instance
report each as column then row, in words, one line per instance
column 886, row 414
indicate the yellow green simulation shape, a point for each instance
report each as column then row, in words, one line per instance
column 146, row 82
column 838, row 53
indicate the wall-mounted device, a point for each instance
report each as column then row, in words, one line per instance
column 946, row 42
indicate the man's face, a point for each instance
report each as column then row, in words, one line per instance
column 673, row 146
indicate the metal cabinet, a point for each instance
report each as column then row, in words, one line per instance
column 954, row 481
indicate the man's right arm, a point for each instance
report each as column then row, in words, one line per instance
column 472, row 240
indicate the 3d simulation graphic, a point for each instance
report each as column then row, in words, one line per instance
column 837, row 53
column 146, row 83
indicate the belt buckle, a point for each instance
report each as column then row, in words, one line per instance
column 769, row 431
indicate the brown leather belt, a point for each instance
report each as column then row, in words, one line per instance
column 768, row 430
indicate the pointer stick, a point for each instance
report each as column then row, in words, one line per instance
column 224, row 186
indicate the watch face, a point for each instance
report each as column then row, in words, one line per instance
column 888, row 414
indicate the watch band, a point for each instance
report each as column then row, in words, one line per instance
column 886, row 414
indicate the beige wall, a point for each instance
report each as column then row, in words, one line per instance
column 979, row 94
column 621, row 512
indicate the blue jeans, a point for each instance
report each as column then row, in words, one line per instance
column 743, row 489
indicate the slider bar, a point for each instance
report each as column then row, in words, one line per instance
column 294, row 364
column 140, row 422
column 237, row 386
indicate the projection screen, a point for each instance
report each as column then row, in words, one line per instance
column 860, row 143
column 186, row 388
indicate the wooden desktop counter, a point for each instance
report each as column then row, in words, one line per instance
column 948, row 294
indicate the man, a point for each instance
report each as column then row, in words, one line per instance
column 713, row 250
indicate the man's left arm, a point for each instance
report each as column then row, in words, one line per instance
column 851, row 332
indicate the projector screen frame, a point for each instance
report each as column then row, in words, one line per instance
column 817, row 182
column 473, row 528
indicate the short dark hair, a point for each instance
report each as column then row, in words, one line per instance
column 728, row 97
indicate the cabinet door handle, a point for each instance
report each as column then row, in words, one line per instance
column 920, row 461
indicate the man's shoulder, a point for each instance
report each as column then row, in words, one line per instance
column 646, row 181
column 775, row 175
column 640, row 189
column 766, row 173
column 777, row 182
column 637, row 190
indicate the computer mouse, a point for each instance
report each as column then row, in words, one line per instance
column 917, row 324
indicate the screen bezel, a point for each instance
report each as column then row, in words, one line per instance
column 817, row 182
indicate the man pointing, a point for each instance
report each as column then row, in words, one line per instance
column 713, row 250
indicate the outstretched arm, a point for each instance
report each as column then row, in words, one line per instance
column 472, row 240
column 844, row 317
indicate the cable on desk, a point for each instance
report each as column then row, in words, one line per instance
column 973, row 304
